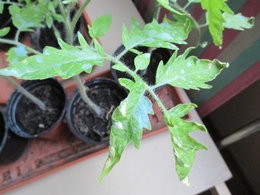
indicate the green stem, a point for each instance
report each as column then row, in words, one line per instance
column 203, row 25
column 187, row 5
column 66, row 22
column 80, row 85
column 122, row 53
column 17, row 34
column 156, row 98
column 78, row 14
column 30, row 96
column 86, row 99
column 16, row 43
column 158, row 11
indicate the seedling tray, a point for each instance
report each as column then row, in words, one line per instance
column 44, row 157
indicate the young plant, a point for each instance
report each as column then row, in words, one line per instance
column 28, row 15
column 131, row 116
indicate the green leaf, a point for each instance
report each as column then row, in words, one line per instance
column 184, row 146
column 166, row 5
column 16, row 54
column 100, row 26
column 129, row 119
column 99, row 48
column 238, row 21
column 57, row 17
column 214, row 18
column 179, row 28
column 1, row 7
column 4, row 31
column 153, row 35
column 119, row 67
column 142, row 61
column 69, row 1
column 49, row 20
column 28, row 17
column 65, row 62
column 136, row 51
column 188, row 72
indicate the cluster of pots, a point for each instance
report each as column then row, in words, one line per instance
column 24, row 119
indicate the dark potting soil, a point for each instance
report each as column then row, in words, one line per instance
column 46, row 36
column 34, row 120
column 149, row 74
column 87, row 122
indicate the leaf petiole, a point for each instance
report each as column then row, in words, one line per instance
column 16, row 43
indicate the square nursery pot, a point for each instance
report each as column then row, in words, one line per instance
column 44, row 157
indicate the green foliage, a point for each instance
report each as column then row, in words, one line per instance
column 238, row 21
column 129, row 119
column 153, row 35
column 4, row 31
column 184, row 146
column 220, row 16
column 179, row 28
column 142, row 61
column 28, row 17
column 166, row 5
column 214, row 18
column 65, row 62
column 188, row 73
column 1, row 7
column 100, row 26
column 132, row 115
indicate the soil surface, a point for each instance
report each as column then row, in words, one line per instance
column 149, row 74
column 87, row 122
column 34, row 120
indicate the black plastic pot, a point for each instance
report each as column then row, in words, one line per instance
column 12, row 147
column 159, row 54
column 97, row 87
column 42, row 37
column 18, row 102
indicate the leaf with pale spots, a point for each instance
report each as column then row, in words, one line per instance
column 238, row 21
column 65, row 62
column 179, row 28
column 128, row 119
column 16, row 54
column 184, row 145
column 188, row 72
column 153, row 35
